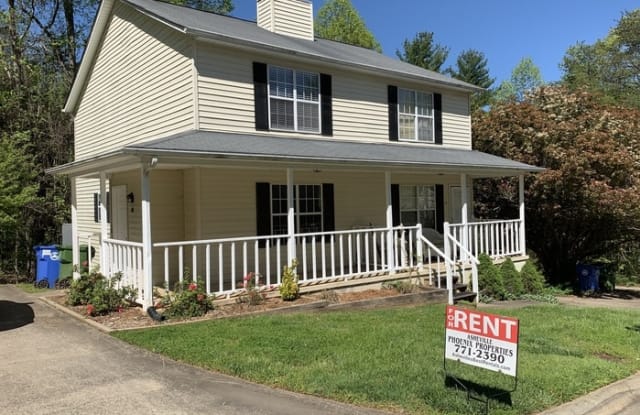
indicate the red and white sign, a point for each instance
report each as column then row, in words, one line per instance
column 480, row 339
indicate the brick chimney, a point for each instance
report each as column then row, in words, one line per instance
column 287, row 17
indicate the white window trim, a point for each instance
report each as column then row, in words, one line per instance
column 417, row 117
column 295, row 101
column 296, row 201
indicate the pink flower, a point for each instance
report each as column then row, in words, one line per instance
column 193, row 286
column 200, row 297
column 90, row 309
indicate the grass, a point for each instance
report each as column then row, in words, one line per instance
column 393, row 359
column 30, row 288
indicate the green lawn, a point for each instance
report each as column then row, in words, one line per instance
column 393, row 359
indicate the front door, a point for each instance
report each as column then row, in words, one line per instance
column 119, row 213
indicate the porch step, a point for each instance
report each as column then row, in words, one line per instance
column 460, row 288
column 464, row 296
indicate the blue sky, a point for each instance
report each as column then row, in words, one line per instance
column 505, row 30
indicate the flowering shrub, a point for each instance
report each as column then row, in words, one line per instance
column 252, row 296
column 101, row 295
column 289, row 289
column 189, row 299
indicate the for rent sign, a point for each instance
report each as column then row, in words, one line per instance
column 481, row 339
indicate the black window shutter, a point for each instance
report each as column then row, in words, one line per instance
column 96, row 208
column 328, row 209
column 263, row 210
column 261, row 96
column 393, row 112
column 395, row 204
column 326, row 105
column 108, row 207
column 437, row 112
column 440, row 208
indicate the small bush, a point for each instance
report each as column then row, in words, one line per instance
column 532, row 278
column 101, row 295
column 189, row 299
column 402, row 286
column 511, row 278
column 253, row 295
column 490, row 278
column 289, row 289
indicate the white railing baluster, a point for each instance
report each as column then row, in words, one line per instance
column 350, row 257
column 358, row 254
column 314, row 274
column 194, row 263
column 207, row 259
column 233, row 266
column 323, row 254
column 333, row 256
column 245, row 270
column 220, row 268
column 181, row 263
column 166, row 268
column 304, row 258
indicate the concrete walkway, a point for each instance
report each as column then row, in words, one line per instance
column 50, row 363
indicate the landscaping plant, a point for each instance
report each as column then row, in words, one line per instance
column 490, row 280
column 511, row 279
column 188, row 299
column 252, row 295
column 101, row 295
column 289, row 289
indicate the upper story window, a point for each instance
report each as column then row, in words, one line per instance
column 415, row 115
column 294, row 100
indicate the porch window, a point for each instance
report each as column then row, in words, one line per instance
column 294, row 100
column 308, row 207
column 415, row 115
column 96, row 208
column 418, row 205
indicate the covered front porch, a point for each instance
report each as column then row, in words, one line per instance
column 217, row 218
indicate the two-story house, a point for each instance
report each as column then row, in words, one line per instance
column 211, row 146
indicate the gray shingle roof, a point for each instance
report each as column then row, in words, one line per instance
column 270, row 148
column 233, row 29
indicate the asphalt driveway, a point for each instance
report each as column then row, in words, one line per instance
column 50, row 363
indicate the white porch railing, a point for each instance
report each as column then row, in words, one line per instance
column 125, row 258
column 322, row 256
column 496, row 238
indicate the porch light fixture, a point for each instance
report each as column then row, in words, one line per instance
column 130, row 198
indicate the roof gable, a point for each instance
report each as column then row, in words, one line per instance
column 237, row 31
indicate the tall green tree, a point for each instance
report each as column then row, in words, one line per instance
column 338, row 20
column 472, row 67
column 423, row 51
column 586, row 204
column 610, row 66
column 525, row 78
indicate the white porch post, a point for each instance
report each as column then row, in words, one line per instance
column 464, row 214
column 523, row 247
column 389, row 216
column 147, row 258
column 291, row 218
column 75, row 242
column 103, row 224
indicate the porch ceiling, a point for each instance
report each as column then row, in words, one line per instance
column 203, row 148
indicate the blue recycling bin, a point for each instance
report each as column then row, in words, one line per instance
column 588, row 277
column 47, row 264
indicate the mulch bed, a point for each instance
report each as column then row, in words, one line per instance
column 134, row 317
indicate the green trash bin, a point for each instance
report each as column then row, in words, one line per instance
column 66, row 261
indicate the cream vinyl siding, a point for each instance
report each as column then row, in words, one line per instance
column 456, row 121
column 140, row 87
column 360, row 102
column 85, row 188
column 287, row 17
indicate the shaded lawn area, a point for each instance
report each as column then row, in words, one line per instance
column 393, row 359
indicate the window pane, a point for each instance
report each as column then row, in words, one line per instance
column 424, row 104
column 310, row 223
column 308, row 117
column 406, row 101
column 409, row 218
column 280, row 82
column 428, row 219
column 281, row 114
column 279, row 224
column 406, row 127
column 425, row 129
column 307, row 86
